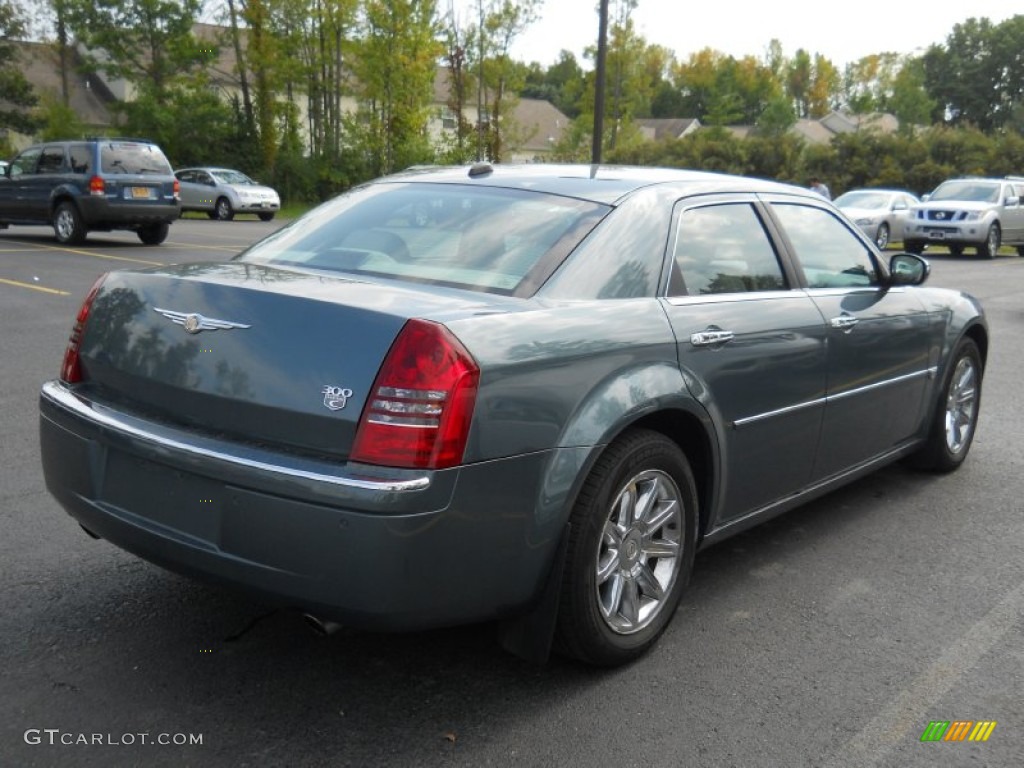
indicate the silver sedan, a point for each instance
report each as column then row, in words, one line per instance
column 881, row 214
column 222, row 192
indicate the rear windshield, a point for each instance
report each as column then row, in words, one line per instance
column 494, row 240
column 133, row 157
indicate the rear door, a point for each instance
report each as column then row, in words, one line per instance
column 752, row 346
column 877, row 339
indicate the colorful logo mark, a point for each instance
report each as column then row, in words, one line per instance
column 958, row 730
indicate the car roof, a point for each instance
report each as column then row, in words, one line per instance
column 606, row 184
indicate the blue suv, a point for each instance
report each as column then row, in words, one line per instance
column 91, row 184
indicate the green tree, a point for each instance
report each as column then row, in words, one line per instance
column 395, row 67
column 16, row 94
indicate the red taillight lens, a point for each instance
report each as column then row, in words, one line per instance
column 177, row 189
column 70, row 371
column 421, row 405
column 97, row 186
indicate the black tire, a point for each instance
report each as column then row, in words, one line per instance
column 955, row 418
column 882, row 236
column 1020, row 250
column 956, row 250
column 222, row 210
column 993, row 240
column 68, row 226
column 212, row 214
column 913, row 246
column 266, row 216
column 154, row 234
column 624, row 576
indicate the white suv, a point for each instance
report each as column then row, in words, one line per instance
column 969, row 213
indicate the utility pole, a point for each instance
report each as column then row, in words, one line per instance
column 602, row 52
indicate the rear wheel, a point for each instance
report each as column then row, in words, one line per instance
column 882, row 236
column 68, row 226
column 990, row 247
column 223, row 210
column 154, row 234
column 631, row 548
column 956, row 413
column 1020, row 250
column 956, row 250
column 266, row 216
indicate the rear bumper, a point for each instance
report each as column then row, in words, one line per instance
column 101, row 213
column 373, row 548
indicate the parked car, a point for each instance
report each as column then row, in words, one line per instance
column 91, row 185
column 881, row 214
column 526, row 393
column 222, row 192
column 970, row 213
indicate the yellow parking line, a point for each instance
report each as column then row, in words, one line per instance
column 34, row 287
column 61, row 249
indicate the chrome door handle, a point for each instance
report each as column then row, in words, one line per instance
column 709, row 337
column 844, row 322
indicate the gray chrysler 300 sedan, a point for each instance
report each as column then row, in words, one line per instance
column 525, row 394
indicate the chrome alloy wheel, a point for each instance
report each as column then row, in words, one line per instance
column 65, row 224
column 961, row 402
column 639, row 555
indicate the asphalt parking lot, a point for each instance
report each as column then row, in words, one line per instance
column 831, row 636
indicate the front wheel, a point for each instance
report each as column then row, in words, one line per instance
column 956, row 414
column 632, row 540
column 266, row 216
column 68, row 226
column 993, row 240
column 914, row 246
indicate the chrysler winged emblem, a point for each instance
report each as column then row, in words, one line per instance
column 193, row 322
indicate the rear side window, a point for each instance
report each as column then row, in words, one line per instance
column 830, row 254
column 725, row 249
column 464, row 236
column 133, row 158
column 81, row 158
column 51, row 161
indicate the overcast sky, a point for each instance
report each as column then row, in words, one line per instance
column 842, row 31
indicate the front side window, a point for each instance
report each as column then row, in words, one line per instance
column 725, row 249
column 25, row 163
column 830, row 254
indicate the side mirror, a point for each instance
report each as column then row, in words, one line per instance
column 1012, row 201
column 925, row 198
column 908, row 269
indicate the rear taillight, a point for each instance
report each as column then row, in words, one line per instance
column 97, row 186
column 70, row 371
column 419, row 410
column 177, row 189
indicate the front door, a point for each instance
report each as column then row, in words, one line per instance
column 877, row 341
